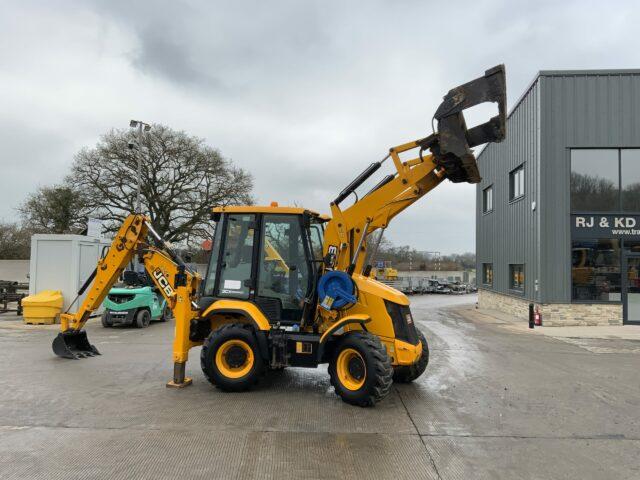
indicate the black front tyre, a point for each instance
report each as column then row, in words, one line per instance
column 360, row 370
column 230, row 358
column 408, row 373
column 143, row 319
column 165, row 315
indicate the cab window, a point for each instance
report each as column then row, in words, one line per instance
column 237, row 255
column 210, row 283
column 316, row 234
column 283, row 270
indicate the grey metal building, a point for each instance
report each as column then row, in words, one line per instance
column 558, row 208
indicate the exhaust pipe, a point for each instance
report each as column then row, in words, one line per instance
column 73, row 344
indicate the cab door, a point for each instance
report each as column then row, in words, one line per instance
column 231, row 263
column 284, row 270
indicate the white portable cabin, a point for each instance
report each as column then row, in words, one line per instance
column 64, row 262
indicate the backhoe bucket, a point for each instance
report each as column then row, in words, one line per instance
column 451, row 145
column 73, row 344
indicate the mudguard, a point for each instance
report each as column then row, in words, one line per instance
column 250, row 312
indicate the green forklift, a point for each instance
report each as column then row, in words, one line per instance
column 135, row 302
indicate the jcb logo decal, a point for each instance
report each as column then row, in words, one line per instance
column 163, row 282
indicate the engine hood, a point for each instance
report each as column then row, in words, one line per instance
column 371, row 286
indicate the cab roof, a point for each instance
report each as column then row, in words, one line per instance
column 266, row 209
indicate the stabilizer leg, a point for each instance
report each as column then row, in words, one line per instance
column 179, row 379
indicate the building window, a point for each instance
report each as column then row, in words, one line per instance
column 487, row 274
column 631, row 246
column 605, row 180
column 595, row 180
column 595, row 270
column 630, row 175
column 487, row 199
column 516, row 183
column 516, row 277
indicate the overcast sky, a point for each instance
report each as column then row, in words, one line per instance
column 302, row 94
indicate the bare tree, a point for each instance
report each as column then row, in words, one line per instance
column 182, row 179
column 55, row 209
column 15, row 242
column 400, row 256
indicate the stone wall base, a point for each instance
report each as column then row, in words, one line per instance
column 553, row 314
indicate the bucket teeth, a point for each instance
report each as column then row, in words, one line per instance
column 73, row 344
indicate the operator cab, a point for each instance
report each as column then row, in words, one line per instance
column 269, row 256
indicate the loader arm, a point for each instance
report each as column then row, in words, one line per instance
column 177, row 284
column 449, row 157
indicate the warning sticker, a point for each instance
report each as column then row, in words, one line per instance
column 232, row 285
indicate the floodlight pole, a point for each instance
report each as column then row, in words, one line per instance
column 436, row 255
column 140, row 125
column 139, row 192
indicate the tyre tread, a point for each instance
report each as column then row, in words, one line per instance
column 382, row 366
column 208, row 345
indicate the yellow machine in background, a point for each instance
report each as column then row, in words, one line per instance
column 582, row 266
column 289, row 287
column 385, row 273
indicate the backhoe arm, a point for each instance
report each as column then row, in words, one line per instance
column 121, row 252
column 450, row 158
column 72, row 341
column 176, row 283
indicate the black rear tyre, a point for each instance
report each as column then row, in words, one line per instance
column 360, row 369
column 143, row 319
column 408, row 373
column 230, row 358
column 106, row 320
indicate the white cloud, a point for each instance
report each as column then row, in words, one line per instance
column 302, row 94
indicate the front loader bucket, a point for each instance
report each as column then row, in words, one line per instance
column 451, row 145
column 73, row 344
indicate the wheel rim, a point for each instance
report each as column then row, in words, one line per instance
column 234, row 358
column 351, row 369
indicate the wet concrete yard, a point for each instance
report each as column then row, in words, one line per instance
column 493, row 403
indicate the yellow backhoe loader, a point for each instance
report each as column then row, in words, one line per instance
column 289, row 287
